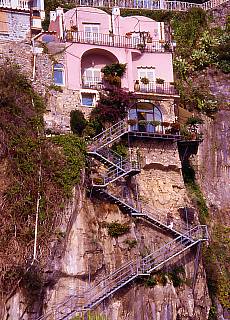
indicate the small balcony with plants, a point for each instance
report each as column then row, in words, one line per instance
column 155, row 128
column 160, row 86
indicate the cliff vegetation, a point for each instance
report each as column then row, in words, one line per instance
column 38, row 174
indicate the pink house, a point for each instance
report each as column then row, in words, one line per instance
column 94, row 38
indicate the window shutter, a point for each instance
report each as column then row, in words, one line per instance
column 4, row 25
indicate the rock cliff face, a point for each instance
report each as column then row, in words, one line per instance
column 88, row 252
column 214, row 163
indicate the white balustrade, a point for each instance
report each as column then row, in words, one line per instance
column 15, row 4
column 151, row 4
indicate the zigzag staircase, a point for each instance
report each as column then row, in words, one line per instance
column 128, row 272
column 184, row 237
column 118, row 167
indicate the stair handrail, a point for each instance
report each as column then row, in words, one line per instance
column 142, row 266
column 108, row 135
column 182, row 227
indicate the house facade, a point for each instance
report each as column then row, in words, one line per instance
column 92, row 39
column 20, row 19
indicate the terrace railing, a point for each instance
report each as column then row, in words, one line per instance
column 92, row 83
column 151, row 4
column 15, row 4
column 118, row 41
column 154, row 87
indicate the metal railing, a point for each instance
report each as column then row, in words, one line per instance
column 151, row 4
column 157, row 217
column 108, row 136
column 113, row 174
column 154, row 87
column 129, row 271
column 118, row 41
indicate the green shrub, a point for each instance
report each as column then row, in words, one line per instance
column 114, row 69
column 90, row 316
column 116, row 229
column 77, row 122
column 56, row 88
column 150, row 282
column 131, row 243
column 194, row 120
column 200, row 59
column 212, row 313
column 177, row 276
column 224, row 66
column 120, row 149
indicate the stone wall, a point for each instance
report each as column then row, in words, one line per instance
column 18, row 25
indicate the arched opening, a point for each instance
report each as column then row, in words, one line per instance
column 92, row 61
column 147, row 117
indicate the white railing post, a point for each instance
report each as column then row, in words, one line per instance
column 14, row 4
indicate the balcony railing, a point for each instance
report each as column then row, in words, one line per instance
column 15, row 4
column 166, row 88
column 150, row 4
column 92, row 83
column 154, row 87
column 111, row 40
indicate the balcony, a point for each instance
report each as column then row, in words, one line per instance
column 111, row 40
column 166, row 88
column 93, row 83
column 15, row 4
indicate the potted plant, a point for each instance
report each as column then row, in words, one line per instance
column 128, row 34
column 194, row 121
column 160, row 81
column 145, row 80
column 137, row 85
column 167, row 46
column 74, row 28
column 69, row 35
column 141, row 47
column 113, row 80
column 175, row 127
column 132, row 122
column 155, row 123
column 142, row 122
column 165, row 124
column 149, row 39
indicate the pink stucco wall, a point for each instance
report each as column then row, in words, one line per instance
column 82, row 16
column 80, row 56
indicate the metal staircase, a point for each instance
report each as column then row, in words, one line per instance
column 185, row 237
column 118, row 167
column 156, row 218
column 128, row 272
column 109, row 136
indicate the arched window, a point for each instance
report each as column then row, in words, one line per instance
column 58, row 74
column 147, row 116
